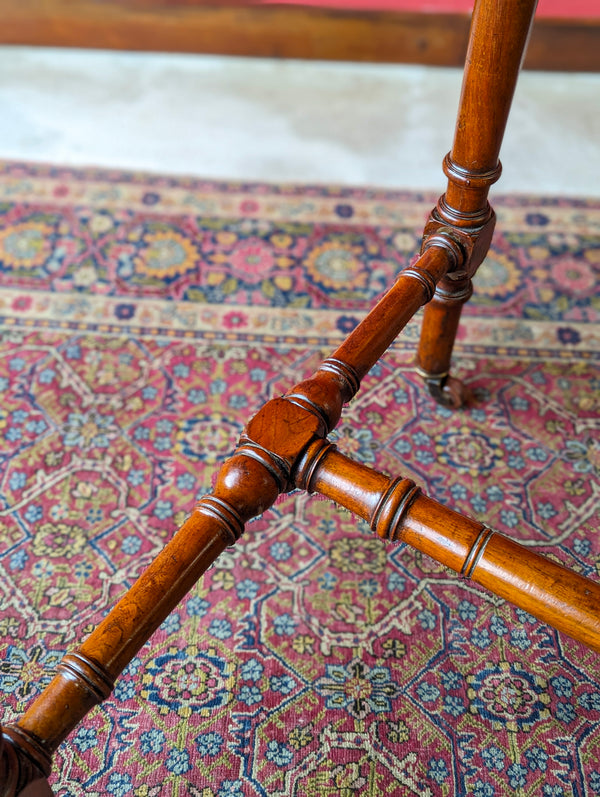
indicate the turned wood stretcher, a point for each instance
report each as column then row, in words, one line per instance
column 285, row 446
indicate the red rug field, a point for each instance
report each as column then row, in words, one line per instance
column 143, row 319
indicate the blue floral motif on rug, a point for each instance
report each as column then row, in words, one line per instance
column 143, row 319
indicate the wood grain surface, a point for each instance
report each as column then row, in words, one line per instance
column 230, row 28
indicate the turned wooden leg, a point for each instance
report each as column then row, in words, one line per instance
column 19, row 775
column 284, row 446
column 248, row 483
column 86, row 676
column 498, row 38
column 439, row 330
column 397, row 510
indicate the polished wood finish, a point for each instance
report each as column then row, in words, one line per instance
column 415, row 287
column 19, row 775
column 499, row 34
column 397, row 510
column 263, row 466
column 284, row 446
column 229, row 28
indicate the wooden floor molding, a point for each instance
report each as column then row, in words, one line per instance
column 227, row 28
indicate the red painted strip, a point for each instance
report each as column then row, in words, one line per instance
column 567, row 9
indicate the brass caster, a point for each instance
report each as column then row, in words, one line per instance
column 448, row 391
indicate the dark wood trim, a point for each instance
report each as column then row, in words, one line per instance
column 192, row 26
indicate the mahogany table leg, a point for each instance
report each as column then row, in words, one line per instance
column 19, row 775
column 397, row 510
column 284, row 446
column 498, row 38
column 39, row 788
column 247, row 485
column 440, row 325
column 245, row 488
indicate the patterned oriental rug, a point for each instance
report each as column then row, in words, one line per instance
column 143, row 320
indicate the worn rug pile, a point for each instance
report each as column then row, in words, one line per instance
column 143, row 320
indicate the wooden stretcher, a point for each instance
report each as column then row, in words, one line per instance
column 285, row 446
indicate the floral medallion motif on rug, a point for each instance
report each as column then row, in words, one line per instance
column 143, row 320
